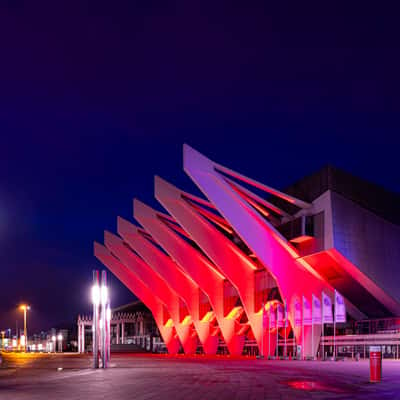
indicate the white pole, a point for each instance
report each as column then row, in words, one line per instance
column 322, row 324
column 79, row 335
column 302, row 329
column 263, row 331
column 277, row 335
column 108, row 332
column 285, row 351
column 334, row 327
column 83, row 338
column 269, row 331
column 95, row 326
column 312, row 328
column 294, row 336
column 104, row 324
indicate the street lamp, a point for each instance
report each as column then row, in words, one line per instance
column 96, row 297
column 60, row 338
column 25, row 308
column 53, row 339
column 101, row 319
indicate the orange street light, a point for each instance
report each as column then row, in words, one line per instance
column 25, row 308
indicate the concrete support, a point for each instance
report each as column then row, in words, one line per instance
column 200, row 270
column 179, row 282
column 133, row 283
column 156, row 284
column 294, row 276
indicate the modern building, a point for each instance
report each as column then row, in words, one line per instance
column 216, row 271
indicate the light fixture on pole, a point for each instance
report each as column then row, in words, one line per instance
column 25, row 308
column 95, row 326
column 108, row 337
column 53, row 339
column 101, row 320
column 60, row 338
column 104, row 322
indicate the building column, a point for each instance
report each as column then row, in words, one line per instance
column 122, row 332
column 117, row 332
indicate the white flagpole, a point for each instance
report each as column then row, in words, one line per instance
column 302, row 328
column 322, row 323
column 312, row 327
column 269, row 331
column 294, row 336
column 263, row 331
column 277, row 335
column 285, row 351
column 334, row 328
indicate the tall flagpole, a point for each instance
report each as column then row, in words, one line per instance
column 263, row 330
column 269, row 331
column 294, row 336
column 277, row 334
column 302, row 328
column 334, row 328
column 312, row 327
column 285, row 351
column 322, row 324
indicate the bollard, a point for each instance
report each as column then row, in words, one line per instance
column 375, row 364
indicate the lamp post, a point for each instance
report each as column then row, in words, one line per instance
column 103, row 321
column 53, row 339
column 108, row 337
column 95, row 325
column 60, row 338
column 25, row 308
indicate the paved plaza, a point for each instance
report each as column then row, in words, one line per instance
column 69, row 376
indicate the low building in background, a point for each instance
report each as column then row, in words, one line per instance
column 132, row 327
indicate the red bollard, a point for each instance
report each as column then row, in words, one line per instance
column 375, row 364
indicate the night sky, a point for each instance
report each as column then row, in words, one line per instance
column 97, row 98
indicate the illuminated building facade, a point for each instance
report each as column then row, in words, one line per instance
column 211, row 269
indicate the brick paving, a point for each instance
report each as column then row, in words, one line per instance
column 213, row 378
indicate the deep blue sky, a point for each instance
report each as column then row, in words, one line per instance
column 97, row 98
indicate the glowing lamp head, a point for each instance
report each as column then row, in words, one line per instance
column 24, row 307
column 53, row 338
column 59, row 337
column 96, row 294
column 108, row 314
column 104, row 294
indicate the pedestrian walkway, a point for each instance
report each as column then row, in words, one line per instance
column 165, row 377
